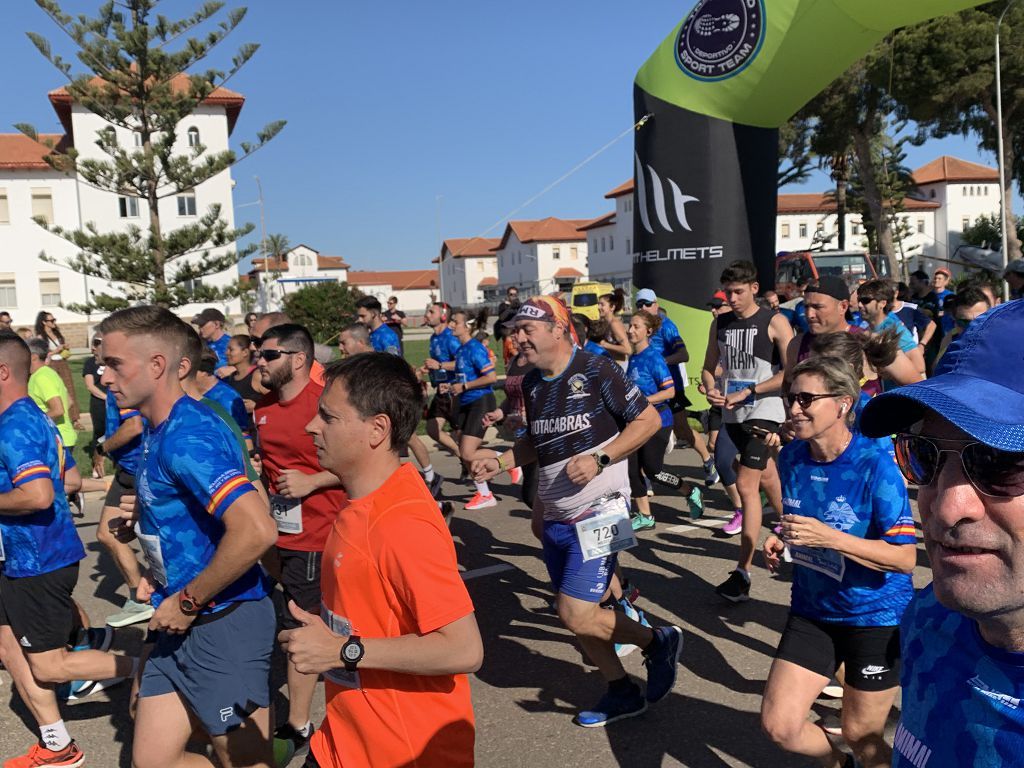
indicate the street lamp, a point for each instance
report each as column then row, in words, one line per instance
column 1002, row 160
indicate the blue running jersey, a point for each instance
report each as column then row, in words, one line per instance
column 472, row 362
column 220, row 348
column 385, row 340
column 667, row 341
column 885, row 443
column 127, row 456
column 191, row 473
column 649, row 371
column 963, row 699
column 443, row 347
column 860, row 493
column 31, row 449
column 228, row 398
column 595, row 349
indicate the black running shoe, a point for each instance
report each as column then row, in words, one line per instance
column 735, row 589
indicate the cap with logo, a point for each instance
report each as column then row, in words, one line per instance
column 978, row 385
column 830, row 286
column 943, row 271
column 646, row 294
column 207, row 315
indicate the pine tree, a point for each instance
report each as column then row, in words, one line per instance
column 140, row 78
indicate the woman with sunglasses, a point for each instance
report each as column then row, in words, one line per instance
column 245, row 380
column 848, row 525
column 46, row 329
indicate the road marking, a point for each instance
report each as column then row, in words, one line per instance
column 489, row 570
column 696, row 525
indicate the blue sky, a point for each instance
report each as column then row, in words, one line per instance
column 391, row 106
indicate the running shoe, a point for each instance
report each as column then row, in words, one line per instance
column 39, row 755
column 131, row 613
column 77, row 504
column 480, row 501
column 516, row 473
column 695, row 501
column 434, row 486
column 735, row 525
column 613, row 707
column 650, row 487
column 630, row 591
column 662, row 662
column 735, row 589
column 77, row 690
column 623, row 650
column 833, row 690
column 710, row 473
column 642, row 522
column 288, row 742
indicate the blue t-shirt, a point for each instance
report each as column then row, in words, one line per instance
column 31, row 449
column 472, row 362
column 595, row 349
column 649, row 371
column 860, row 493
column 127, row 456
column 885, row 443
column 963, row 699
column 190, row 475
column 443, row 347
column 667, row 341
column 220, row 348
column 229, row 399
column 386, row 340
column 906, row 338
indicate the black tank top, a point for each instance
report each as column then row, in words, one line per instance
column 244, row 386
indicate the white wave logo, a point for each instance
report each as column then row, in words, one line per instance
column 658, row 190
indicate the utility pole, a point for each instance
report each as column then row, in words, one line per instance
column 264, row 288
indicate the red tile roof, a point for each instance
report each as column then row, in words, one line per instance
column 820, row 202
column 487, row 281
column 568, row 272
column 231, row 101
column 600, row 221
column 272, row 264
column 469, row 247
column 624, row 188
column 331, row 262
column 399, row 280
column 19, row 153
column 549, row 230
column 947, row 169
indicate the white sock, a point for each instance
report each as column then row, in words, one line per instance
column 305, row 730
column 483, row 489
column 744, row 573
column 55, row 737
column 428, row 473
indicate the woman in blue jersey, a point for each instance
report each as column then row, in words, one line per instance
column 847, row 523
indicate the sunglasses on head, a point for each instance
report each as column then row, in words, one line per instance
column 804, row 399
column 991, row 471
column 270, row 355
column 641, row 304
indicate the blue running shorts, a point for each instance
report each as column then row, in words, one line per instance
column 570, row 574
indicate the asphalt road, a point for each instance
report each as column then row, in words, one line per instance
column 534, row 679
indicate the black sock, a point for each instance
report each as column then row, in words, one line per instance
column 621, row 686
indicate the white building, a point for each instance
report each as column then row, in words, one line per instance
column 29, row 187
column 610, row 239
column 468, row 270
column 542, row 256
column 415, row 289
column 300, row 266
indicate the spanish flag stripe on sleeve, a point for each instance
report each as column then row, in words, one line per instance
column 225, row 490
column 901, row 529
column 29, row 474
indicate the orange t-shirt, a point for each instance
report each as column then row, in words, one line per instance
column 316, row 373
column 389, row 570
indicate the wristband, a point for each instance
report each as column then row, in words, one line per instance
column 501, row 464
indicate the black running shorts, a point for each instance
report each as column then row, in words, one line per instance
column 300, row 580
column 470, row 418
column 39, row 609
column 753, row 452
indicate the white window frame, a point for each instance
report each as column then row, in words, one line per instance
column 49, row 298
column 184, row 207
column 43, row 193
column 193, row 136
column 8, row 290
column 784, row 230
column 128, row 207
column 5, row 211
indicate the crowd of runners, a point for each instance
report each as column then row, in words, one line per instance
column 243, row 465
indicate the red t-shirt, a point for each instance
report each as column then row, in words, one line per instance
column 389, row 570
column 285, row 444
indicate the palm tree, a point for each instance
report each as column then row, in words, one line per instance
column 277, row 246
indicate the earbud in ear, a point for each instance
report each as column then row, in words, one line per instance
column 843, row 409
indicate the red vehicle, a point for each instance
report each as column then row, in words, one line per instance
column 793, row 267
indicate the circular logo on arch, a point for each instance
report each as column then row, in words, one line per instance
column 720, row 38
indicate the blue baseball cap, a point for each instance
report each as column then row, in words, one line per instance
column 978, row 385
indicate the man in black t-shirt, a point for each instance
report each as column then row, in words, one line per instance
column 394, row 318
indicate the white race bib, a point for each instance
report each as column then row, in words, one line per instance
column 287, row 513
column 154, row 557
column 606, row 532
column 826, row 561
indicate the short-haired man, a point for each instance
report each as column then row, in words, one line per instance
column 210, row 323
column 48, row 391
column 1014, row 276
column 203, row 528
column 940, row 288
column 970, row 304
column 395, row 319
column 383, row 339
column 960, row 438
column 396, row 635
column 268, row 320
column 354, row 339
column 743, row 370
column 5, row 321
column 304, row 497
column 41, row 553
column 584, row 418
column 875, row 298
column 440, row 367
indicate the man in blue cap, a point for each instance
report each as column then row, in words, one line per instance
column 960, row 437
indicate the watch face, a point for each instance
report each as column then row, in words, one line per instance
column 351, row 652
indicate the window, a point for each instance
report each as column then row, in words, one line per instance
column 971, row 191
column 8, row 294
column 629, row 245
column 785, row 230
column 574, row 252
column 5, row 216
column 479, row 265
column 855, row 228
column 964, row 189
column 193, row 136
column 556, row 252
column 611, row 243
column 49, row 289
column 128, row 207
column 920, row 226
column 187, row 204
column 986, row 190
column 302, row 260
column 965, row 223
column 593, row 245
column 803, row 230
column 42, row 205
column 137, row 137
column 932, row 194
column 602, row 244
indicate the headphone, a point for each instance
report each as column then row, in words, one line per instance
column 446, row 310
column 842, row 409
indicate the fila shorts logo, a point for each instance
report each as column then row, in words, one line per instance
column 226, row 713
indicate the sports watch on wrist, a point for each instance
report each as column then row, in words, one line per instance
column 352, row 652
column 603, row 460
column 189, row 605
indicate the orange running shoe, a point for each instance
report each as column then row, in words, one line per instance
column 69, row 757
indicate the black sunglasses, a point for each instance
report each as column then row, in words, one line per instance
column 804, row 399
column 641, row 304
column 270, row 355
column 992, row 471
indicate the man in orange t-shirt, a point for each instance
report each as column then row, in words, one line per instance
column 397, row 634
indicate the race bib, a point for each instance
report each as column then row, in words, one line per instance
column 287, row 514
column 826, row 561
column 607, row 531
column 154, row 557
column 3, row 555
column 339, row 625
column 738, row 385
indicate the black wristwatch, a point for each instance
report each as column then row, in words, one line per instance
column 352, row 653
column 100, row 449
